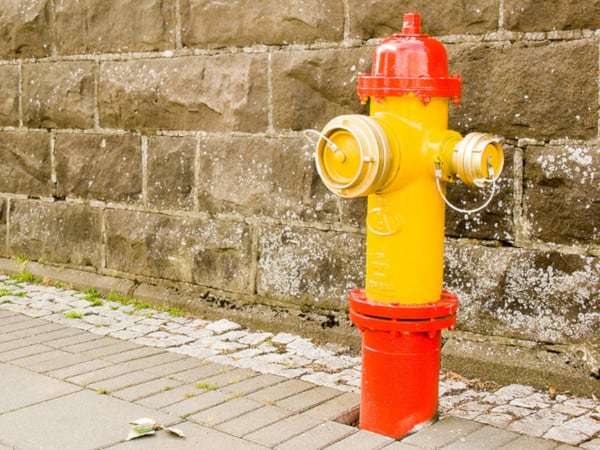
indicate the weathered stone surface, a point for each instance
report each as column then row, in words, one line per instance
column 25, row 28
column 251, row 175
column 59, row 232
column 496, row 221
column 382, row 18
column 238, row 23
column 208, row 252
column 100, row 167
column 59, row 94
column 542, row 91
column 313, row 266
column 217, row 93
column 25, row 163
column 89, row 26
column 529, row 294
column 353, row 211
column 545, row 15
column 9, row 95
column 171, row 172
column 3, row 227
column 312, row 87
column 562, row 195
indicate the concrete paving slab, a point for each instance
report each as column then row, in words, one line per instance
column 343, row 408
column 229, row 377
column 77, row 369
column 49, row 360
column 529, row 443
column 83, row 420
column 254, row 420
column 486, row 437
column 21, row 387
column 138, row 360
column 92, row 347
column 48, row 336
column 146, row 389
column 361, row 440
column 196, row 437
column 16, row 323
column 205, row 370
column 13, row 344
column 442, row 433
column 23, row 352
column 253, row 384
column 123, row 381
column 225, row 411
column 283, row 430
column 308, row 399
column 321, row 436
column 280, row 391
column 166, row 398
column 9, row 317
column 106, row 351
column 95, row 376
column 396, row 445
column 132, row 352
column 73, row 340
column 197, row 403
column 35, row 328
column 172, row 368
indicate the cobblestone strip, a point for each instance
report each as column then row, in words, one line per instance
column 522, row 409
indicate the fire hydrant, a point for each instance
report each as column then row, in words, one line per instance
column 401, row 157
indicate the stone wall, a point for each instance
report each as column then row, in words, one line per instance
column 160, row 141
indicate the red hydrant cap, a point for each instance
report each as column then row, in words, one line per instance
column 410, row 63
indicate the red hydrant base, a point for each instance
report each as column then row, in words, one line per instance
column 400, row 367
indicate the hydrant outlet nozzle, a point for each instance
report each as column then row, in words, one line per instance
column 354, row 156
column 477, row 159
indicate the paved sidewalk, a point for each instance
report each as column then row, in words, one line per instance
column 76, row 369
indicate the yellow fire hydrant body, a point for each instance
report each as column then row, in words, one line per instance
column 392, row 157
column 401, row 156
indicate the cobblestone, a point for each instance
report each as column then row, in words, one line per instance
column 517, row 408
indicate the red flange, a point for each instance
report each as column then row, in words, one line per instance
column 367, row 314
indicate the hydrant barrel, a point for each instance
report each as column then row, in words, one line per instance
column 400, row 157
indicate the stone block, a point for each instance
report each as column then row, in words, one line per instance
column 226, row 92
column 59, row 94
column 59, row 232
column 312, row 266
column 506, row 89
column 536, row 295
column 171, row 172
column 253, row 175
column 25, row 163
column 99, row 167
column 549, row 15
column 89, row 26
column 496, row 221
column 238, row 23
column 561, row 194
column 26, row 29
column 207, row 252
column 312, row 87
column 382, row 18
column 3, row 226
column 9, row 95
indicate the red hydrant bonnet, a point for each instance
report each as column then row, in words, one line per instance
column 410, row 63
